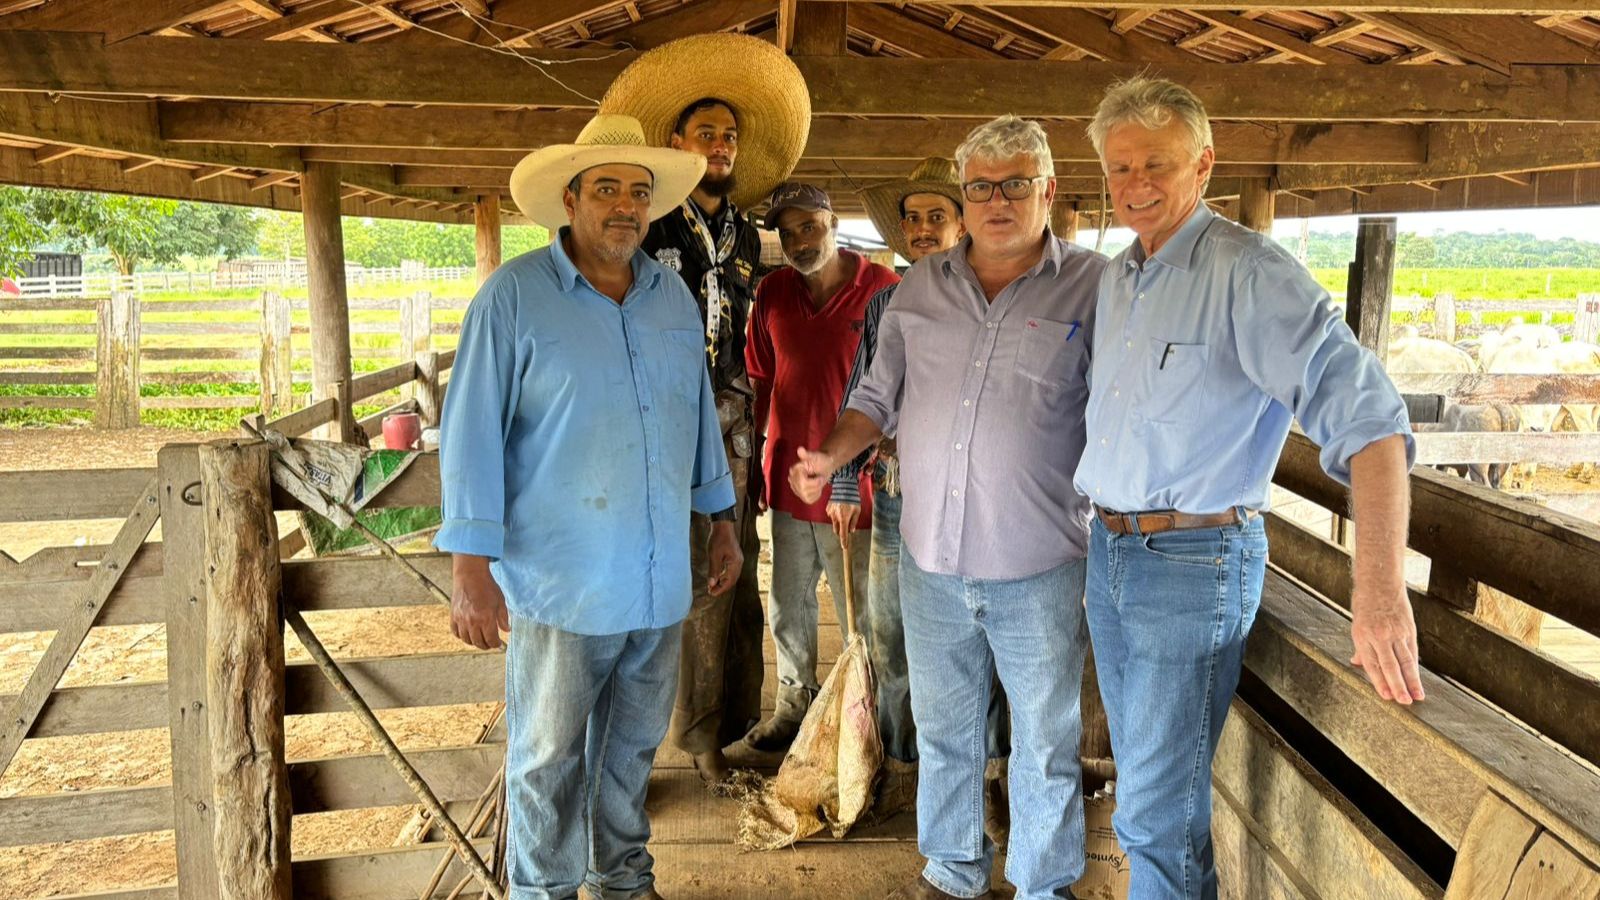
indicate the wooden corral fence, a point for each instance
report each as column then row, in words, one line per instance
column 1488, row 789
column 260, row 275
column 124, row 326
column 1448, row 309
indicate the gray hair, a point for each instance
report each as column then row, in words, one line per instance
column 1006, row 137
column 1150, row 103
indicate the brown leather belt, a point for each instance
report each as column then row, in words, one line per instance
column 1166, row 520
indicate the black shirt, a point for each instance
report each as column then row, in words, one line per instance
column 673, row 242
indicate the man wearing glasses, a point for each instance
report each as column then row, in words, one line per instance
column 981, row 371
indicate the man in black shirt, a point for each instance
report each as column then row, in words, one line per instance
column 717, row 95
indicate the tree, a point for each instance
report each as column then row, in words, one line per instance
column 137, row 230
column 20, row 232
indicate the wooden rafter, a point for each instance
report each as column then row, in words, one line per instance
column 261, row 8
column 1129, row 19
column 206, row 173
column 1343, row 32
column 1205, row 35
column 272, row 178
column 1494, row 42
column 1276, row 38
column 698, row 18
column 1088, row 33
column 785, row 35
column 49, row 153
column 913, row 35
column 305, row 19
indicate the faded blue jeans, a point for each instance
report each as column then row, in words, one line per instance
column 886, row 642
column 958, row 631
column 801, row 552
column 1169, row 614
column 584, row 715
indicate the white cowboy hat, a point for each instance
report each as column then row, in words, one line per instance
column 764, row 87
column 539, row 179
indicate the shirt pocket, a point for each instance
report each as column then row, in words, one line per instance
column 1175, row 376
column 1048, row 352
column 682, row 363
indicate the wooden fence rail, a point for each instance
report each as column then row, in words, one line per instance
column 125, row 326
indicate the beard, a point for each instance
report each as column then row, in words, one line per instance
column 812, row 263
column 615, row 247
column 718, row 185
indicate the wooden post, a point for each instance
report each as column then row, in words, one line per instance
column 819, row 29
column 1444, row 316
column 1064, row 222
column 116, row 392
column 486, row 222
column 1586, row 325
column 428, row 392
column 330, row 305
column 277, row 356
column 244, row 673
column 343, row 429
column 416, row 323
column 183, row 574
column 1257, row 204
column 1371, row 284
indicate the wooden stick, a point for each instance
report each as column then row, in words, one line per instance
column 849, row 591
column 477, row 820
column 69, row 637
column 408, row 773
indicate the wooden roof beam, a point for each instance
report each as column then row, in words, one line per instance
column 206, row 173
column 821, row 29
column 136, row 163
column 272, row 178
column 1460, row 151
column 785, row 34
column 912, row 35
column 1129, row 19
column 261, row 8
column 1086, row 32
column 699, row 18
column 116, row 20
column 1276, row 38
column 1204, row 36
column 1493, row 42
column 305, row 19
column 381, row 72
column 1348, row 30
column 49, row 153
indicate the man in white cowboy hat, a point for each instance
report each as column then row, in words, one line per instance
column 803, row 338
column 917, row 216
column 743, row 105
column 578, row 433
column 981, row 372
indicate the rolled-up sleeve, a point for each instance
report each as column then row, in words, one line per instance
column 1300, row 352
column 712, row 488
column 477, row 416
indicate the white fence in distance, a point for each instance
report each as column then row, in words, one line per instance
column 201, row 282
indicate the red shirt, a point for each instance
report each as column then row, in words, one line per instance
column 806, row 355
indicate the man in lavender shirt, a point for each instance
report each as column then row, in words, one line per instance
column 981, row 370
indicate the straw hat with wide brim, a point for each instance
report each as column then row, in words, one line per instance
column 765, row 89
column 934, row 175
column 539, row 179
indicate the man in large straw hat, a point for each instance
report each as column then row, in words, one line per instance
column 803, row 338
column 917, row 216
column 579, row 432
column 981, row 373
column 743, row 105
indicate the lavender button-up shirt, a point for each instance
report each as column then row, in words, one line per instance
column 987, row 403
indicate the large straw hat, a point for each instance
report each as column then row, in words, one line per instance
column 934, row 175
column 538, row 180
column 766, row 90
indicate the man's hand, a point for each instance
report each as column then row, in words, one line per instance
column 758, row 487
column 724, row 558
column 808, row 476
column 478, row 610
column 1385, row 638
column 843, row 516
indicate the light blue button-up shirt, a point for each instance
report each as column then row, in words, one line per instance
column 1203, row 354
column 577, row 435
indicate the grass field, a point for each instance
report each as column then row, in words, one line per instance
column 1489, row 284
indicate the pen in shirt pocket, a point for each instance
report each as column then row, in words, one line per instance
column 1074, row 330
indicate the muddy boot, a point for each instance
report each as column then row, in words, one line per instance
column 774, row 735
column 712, row 767
column 922, row 890
column 996, row 804
column 897, row 791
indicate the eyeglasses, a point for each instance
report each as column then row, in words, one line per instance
column 1011, row 189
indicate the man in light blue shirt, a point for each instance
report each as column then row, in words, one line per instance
column 1209, row 339
column 579, row 432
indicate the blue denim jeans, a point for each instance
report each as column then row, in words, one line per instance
column 1169, row 614
column 801, row 552
column 584, row 715
column 886, row 644
column 1030, row 630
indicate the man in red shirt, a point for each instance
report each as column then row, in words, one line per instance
column 803, row 336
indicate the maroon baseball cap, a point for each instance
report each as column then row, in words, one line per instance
column 795, row 195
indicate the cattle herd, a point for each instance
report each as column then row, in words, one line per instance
column 1516, row 349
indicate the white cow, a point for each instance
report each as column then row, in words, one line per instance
column 1578, row 358
column 1410, row 353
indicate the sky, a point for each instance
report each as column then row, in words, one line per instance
column 1581, row 222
